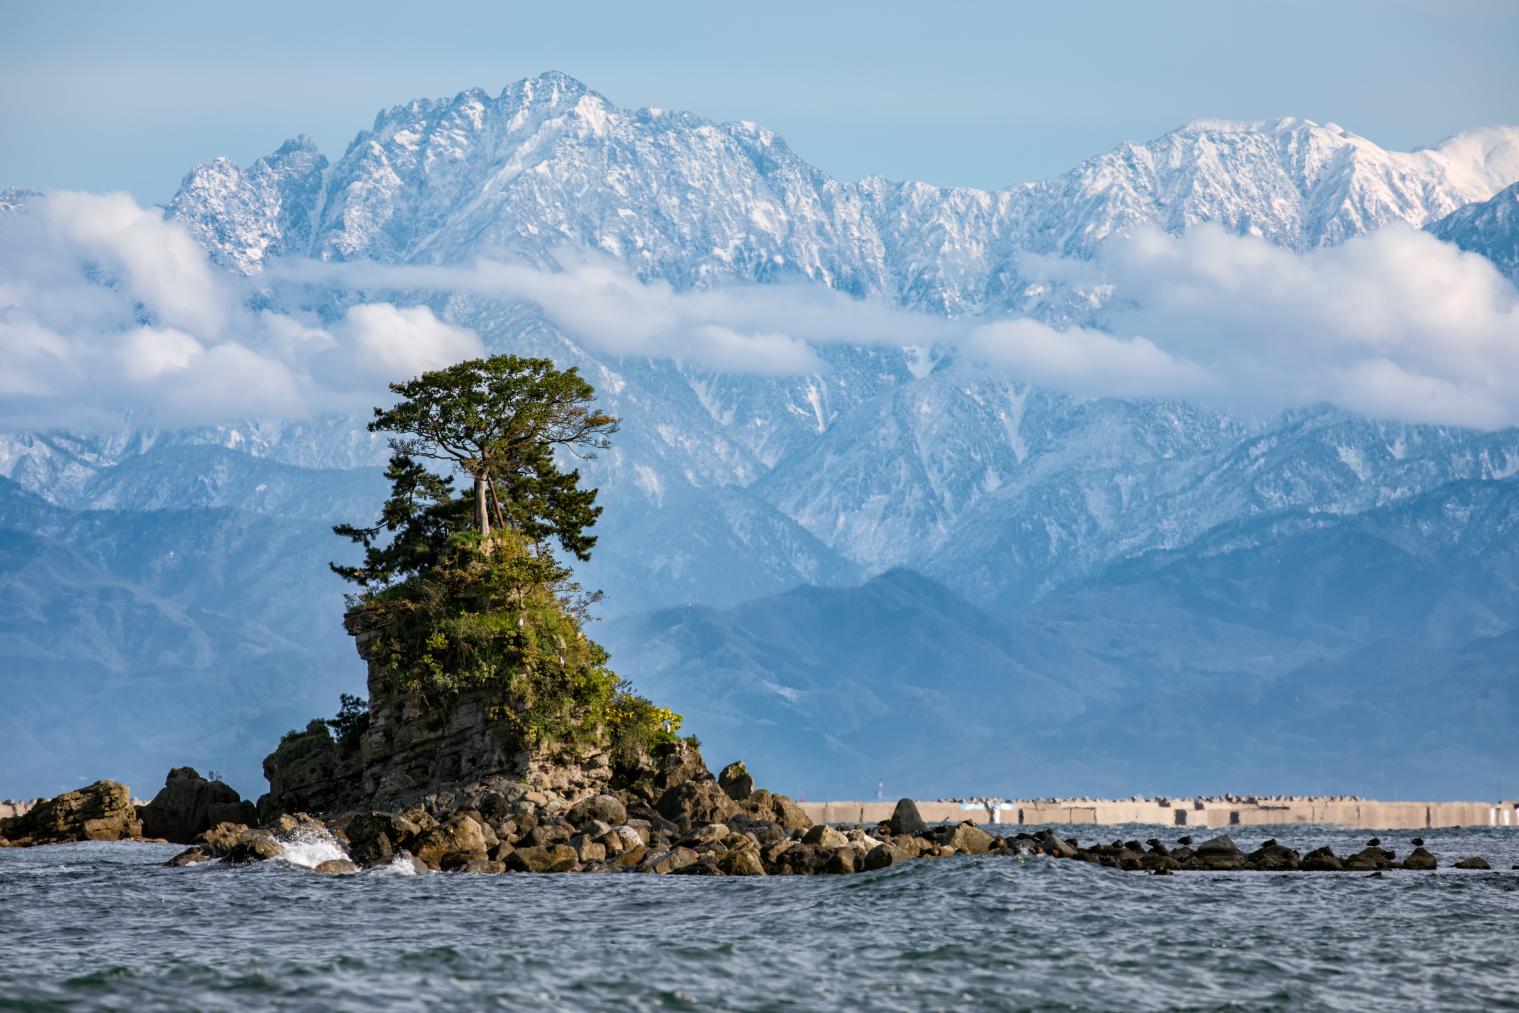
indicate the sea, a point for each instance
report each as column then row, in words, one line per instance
column 106, row 926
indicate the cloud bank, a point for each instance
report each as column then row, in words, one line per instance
column 1394, row 325
column 768, row 330
column 106, row 308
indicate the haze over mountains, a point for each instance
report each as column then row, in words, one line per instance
column 899, row 562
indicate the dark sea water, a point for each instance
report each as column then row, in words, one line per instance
column 104, row 926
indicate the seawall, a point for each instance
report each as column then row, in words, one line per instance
column 1345, row 812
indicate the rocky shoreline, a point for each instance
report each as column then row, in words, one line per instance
column 681, row 820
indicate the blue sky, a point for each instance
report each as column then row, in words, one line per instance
column 105, row 96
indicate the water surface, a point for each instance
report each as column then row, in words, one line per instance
column 104, row 926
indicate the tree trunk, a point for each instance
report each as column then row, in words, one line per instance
column 482, row 514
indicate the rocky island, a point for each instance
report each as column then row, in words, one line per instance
column 495, row 738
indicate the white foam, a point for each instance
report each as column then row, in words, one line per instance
column 399, row 866
column 310, row 847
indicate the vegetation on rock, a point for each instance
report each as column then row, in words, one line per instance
column 461, row 590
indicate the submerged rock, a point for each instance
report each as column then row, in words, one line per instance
column 1420, row 859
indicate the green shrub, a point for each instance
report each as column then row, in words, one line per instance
column 505, row 619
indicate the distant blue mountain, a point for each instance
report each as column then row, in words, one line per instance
column 1298, row 652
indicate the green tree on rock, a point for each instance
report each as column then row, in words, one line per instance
column 499, row 420
column 460, row 589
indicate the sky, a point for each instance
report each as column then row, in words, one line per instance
column 108, row 96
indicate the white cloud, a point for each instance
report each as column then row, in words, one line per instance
column 1085, row 361
column 380, row 342
column 106, row 308
column 1394, row 325
column 761, row 329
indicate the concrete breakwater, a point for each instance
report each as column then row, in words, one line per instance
column 1227, row 811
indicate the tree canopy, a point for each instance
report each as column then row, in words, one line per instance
column 499, row 421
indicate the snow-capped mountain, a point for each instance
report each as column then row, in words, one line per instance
column 724, row 488
column 929, row 465
column 548, row 161
column 1489, row 227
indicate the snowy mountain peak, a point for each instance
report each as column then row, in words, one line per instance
column 684, row 199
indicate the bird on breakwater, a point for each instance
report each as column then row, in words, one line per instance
column 1184, row 841
column 1418, row 842
column 1375, row 842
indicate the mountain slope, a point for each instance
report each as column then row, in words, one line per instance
column 1294, row 652
column 1489, row 227
column 136, row 640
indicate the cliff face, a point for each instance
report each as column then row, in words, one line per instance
column 414, row 746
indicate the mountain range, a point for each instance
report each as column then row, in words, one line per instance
column 903, row 567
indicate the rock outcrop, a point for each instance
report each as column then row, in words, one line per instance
column 102, row 811
column 310, row 772
column 412, row 747
column 188, row 805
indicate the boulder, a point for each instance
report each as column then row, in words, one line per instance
column 678, row 762
column 188, row 804
column 1420, row 860
column 905, row 819
column 336, row 867
column 588, row 850
column 672, row 861
column 1475, row 862
column 736, row 781
column 606, row 808
column 1056, row 846
column 221, row 837
column 308, row 771
column 190, row 856
column 705, row 865
column 742, row 862
column 883, row 856
column 825, row 836
column 1368, row 859
column 698, row 801
column 1219, row 854
column 252, row 846
column 547, row 858
column 459, row 835
column 802, row 859
column 1273, row 857
column 788, row 814
column 375, row 837
column 1321, row 860
column 102, row 811
column 841, row 861
column 966, row 838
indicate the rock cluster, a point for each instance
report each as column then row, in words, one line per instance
column 675, row 818
column 1221, row 854
column 102, row 811
column 189, row 804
